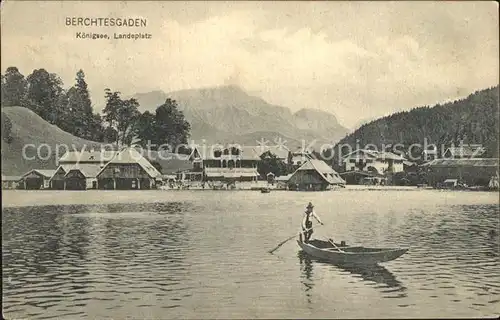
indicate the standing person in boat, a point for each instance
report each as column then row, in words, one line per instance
column 307, row 222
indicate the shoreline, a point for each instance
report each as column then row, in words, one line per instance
column 34, row 198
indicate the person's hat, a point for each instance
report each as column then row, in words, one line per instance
column 310, row 206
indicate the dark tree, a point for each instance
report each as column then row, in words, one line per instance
column 290, row 157
column 110, row 135
column 122, row 116
column 170, row 125
column 271, row 164
column 6, row 128
column 146, row 129
column 81, row 122
column 44, row 95
column 14, row 87
column 96, row 128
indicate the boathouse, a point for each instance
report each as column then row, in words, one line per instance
column 129, row 169
column 314, row 175
column 10, row 182
column 57, row 180
column 85, row 164
column 471, row 171
column 36, row 179
column 82, row 177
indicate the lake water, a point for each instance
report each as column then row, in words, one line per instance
column 189, row 254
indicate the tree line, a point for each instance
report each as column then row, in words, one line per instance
column 121, row 122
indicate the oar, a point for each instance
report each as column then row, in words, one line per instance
column 340, row 250
column 290, row 238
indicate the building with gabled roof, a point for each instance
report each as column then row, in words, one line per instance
column 128, row 169
column 36, row 179
column 471, row 171
column 90, row 156
column 57, row 180
column 314, row 175
column 82, row 176
column 379, row 162
column 219, row 162
column 10, row 182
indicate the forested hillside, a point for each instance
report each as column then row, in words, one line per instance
column 471, row 120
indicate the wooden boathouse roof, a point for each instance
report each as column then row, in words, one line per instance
column 130, row 155
column 462, row 162
column 324, row 170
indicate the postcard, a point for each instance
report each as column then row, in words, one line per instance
column 250, row 159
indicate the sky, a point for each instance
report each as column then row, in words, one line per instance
column 357, row 60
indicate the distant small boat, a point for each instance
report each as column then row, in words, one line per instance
column 265, row 190
column 350, row 255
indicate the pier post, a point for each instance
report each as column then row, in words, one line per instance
column 114, row 184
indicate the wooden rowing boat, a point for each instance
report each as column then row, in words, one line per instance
column 349, row 255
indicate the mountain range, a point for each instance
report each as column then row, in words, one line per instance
column 228, row 114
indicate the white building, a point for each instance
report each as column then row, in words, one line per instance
column 380, row 162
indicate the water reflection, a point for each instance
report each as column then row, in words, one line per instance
column 64, row 257
column 204, row 259
column 367, row 273
column 306, row 267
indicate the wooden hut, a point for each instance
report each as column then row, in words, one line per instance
column 10, row 182
column 36, row 179
column 314, row 175
column 82, row 177
column 128, row 170
column 57, row 180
